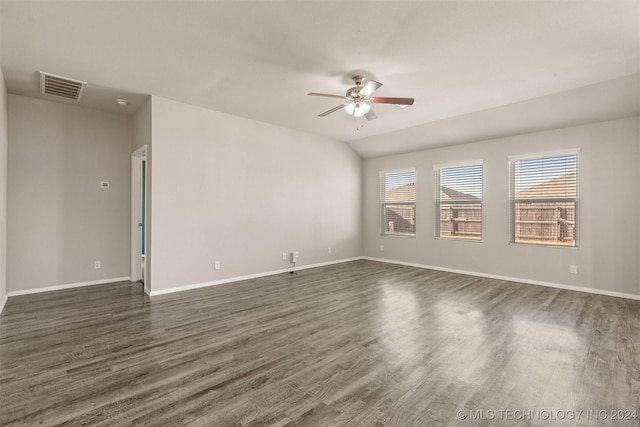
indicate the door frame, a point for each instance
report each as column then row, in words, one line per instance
column 136, row 211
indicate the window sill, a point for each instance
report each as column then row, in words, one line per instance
column 543, row 245
column 458, row 239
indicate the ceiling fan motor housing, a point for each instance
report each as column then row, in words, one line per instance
column 353, row 92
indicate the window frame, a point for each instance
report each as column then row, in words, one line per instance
column 438, row 203
column 384, row 204
column 548, row 200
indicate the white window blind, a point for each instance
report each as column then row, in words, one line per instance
column 459, row 201
column 544, row 199
column 398, row 202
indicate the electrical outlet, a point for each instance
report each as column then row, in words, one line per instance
column 381, row 248
column 573, row 269
column 329, row 250
column 216, row 265
column 284, row 256
column 97, row 265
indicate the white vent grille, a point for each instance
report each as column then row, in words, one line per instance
column 50, row 84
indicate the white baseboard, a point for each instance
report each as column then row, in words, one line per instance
column 322, row 264
column 67, row 286
column 512, row 279
column 3, row 302
column 247, row 277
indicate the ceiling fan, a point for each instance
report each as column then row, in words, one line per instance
column 358, row 99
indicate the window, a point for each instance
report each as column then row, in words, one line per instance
column 398, row 202
column 544, row 199
column 459, row 201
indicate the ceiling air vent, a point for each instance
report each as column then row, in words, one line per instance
column 50, row 84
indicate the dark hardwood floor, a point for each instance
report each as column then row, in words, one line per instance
column 360, row 343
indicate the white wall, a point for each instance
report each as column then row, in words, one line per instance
column 59, row 219
column 609, row 230
column 3, row 191
column 141, row 127
column 211, row 172
column 242, row 192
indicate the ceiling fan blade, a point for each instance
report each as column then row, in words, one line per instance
column 397, row 101
column 333, row 110
column 369, row 88
column 327, row 95
column 371, row 115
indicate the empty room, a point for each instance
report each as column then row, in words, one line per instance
column 320, row 213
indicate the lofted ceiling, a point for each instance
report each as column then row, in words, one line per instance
column 463, row 61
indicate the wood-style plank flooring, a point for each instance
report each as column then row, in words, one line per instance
column 360, row 343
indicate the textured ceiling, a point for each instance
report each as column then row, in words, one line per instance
column 259, row 59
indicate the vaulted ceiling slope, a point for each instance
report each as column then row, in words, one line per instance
column 259, row 59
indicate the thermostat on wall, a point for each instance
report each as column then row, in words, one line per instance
column 104, row 184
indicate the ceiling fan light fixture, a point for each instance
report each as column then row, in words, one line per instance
column 350, row 108
column 357, row 109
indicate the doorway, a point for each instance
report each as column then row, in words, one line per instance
column 139, row 215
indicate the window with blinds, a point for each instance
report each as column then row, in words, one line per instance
column 544, row 199
column 398, row 202
column 458, row 198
